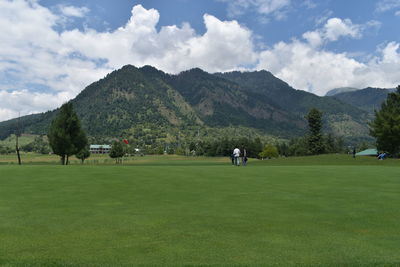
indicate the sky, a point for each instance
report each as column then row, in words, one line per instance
column 51, row 50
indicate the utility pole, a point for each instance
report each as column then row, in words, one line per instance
column 16, row 140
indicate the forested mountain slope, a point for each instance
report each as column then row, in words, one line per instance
column 132, row 98
column 368, row 99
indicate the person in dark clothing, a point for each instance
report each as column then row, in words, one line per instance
column 354, row 152
column 244, row 158
column 233, row 159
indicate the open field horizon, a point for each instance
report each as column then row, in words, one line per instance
column 104, row 159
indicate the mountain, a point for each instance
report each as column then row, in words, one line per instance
column 368, row 99
column 221, row 102
column 147, row 101
column 341, row 90
column 340, row 118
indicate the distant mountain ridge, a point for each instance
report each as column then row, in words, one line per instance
column 132, row 98
column 340, row 90
column 368, row 99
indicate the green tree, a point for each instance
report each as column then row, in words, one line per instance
column 66, row 136
column 39, row 145
column 283, row 149
column 269, row 151
column 117, row 151
column 315, row 137
column 298, row 147
column 386, row 125
column 83, row 154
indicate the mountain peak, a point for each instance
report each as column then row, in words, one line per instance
column 147, row 69
column 128, row 67
column 339, row 90
column 193, row 71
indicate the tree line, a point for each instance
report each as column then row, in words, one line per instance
column 66, row 138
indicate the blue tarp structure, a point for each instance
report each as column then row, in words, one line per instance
column 368, row 152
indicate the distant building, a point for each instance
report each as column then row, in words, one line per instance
column 99, row 149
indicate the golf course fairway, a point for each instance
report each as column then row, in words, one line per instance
column 199, row 214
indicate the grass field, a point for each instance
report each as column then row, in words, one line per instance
column 327, row 210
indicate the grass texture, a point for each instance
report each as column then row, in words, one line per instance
column 173, row 212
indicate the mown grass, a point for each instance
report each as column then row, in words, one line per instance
column 172, row 211
column 99, row 159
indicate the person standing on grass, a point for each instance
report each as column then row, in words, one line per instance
column 236, row 155
column 244, row 158
column 354, row 152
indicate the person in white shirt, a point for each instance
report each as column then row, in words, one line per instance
column 236, row 155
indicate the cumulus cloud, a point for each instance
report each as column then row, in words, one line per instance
column 306, row 65
column 333, row 29
column 311, row 68
column 40, row 67
column 28, row 102
column 225, row 44
column 336, row 28
column 32, row 52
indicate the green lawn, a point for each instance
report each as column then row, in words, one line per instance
column 171, row 211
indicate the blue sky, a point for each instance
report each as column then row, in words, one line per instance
column 51, row 50
column 297, row 18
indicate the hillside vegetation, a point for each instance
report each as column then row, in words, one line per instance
column 368, row 99
column 131, row 99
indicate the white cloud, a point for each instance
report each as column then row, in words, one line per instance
column 397, row 13
column 8, row 113
column 333, row 29
column 313, row 69
column 72, row 11
column 28, row 102
column 336, row 28
column 263, row 7
column 34, row 54
column 307, row 66
column 225, row 44
column 314, row 38
column 386, row 5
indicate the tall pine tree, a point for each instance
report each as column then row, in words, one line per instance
column 315, row 138
column 66, row 136
column 386, row 125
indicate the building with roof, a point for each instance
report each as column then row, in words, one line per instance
column 99, row 149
